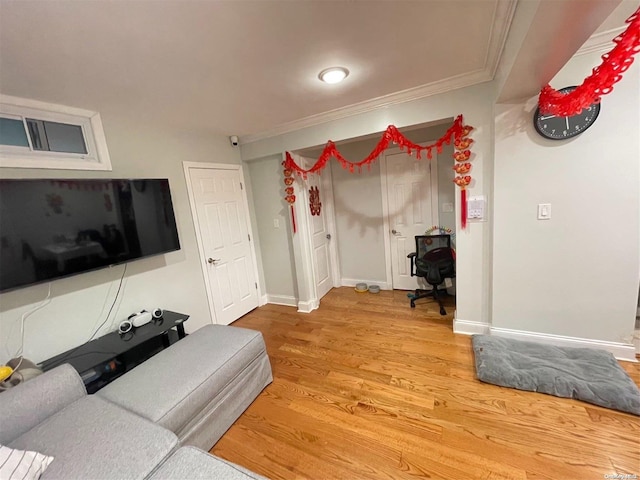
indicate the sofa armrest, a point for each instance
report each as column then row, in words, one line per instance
column 30, row 403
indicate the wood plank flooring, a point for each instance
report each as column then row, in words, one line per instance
column 366, row 387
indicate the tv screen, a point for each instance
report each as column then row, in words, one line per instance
column 54, row 228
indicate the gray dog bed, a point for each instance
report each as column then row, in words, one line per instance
column 585, row 374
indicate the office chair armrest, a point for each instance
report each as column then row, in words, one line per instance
column 412, row 256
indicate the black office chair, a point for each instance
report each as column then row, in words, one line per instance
column 433, row 260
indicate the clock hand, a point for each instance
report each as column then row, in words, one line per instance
column 545, row 118
column 567, row 119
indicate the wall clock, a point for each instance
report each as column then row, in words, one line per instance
column 561, row 128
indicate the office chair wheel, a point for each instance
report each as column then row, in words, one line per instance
column 442, row 311
column 413, row 304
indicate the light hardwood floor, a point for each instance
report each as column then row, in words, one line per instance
column 366, row 387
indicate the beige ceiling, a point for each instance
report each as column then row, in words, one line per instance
column 244, row 67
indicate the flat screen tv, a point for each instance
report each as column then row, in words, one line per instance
column 54, row 228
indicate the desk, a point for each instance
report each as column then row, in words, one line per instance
column 104, row 359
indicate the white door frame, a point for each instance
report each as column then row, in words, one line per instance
column 302, row 242
column 386, row 230
column 196, row 223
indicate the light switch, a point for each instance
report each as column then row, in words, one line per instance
column 447, row 207
column 544, row 211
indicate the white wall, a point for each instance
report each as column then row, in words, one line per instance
column 473, row 244
column 274, row 242
column 576, row 274
column 174, row 281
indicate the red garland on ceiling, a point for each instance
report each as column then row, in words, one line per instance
column 458, row 131
column 601, row 80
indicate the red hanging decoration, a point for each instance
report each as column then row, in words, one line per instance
column 463, row 208
column 290, row 198
column 390, row 135
column 602, row 78
column 314, row 201
column 458, row 133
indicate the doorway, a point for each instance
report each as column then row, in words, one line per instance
column 221, row 216
column 410, row 208
column 315, row 249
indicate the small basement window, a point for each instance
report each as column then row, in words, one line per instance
column 43, row 135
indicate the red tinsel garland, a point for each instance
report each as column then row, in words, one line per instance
column 461, row 154
column 601, row 80
column 391, row 135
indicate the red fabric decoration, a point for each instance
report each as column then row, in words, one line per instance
column 293, row 219
column 458, row 132
column 463, row 208
column 391, row 135
column 602, row 78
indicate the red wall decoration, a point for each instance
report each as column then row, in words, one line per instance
column 459, row 132
column 602, row 78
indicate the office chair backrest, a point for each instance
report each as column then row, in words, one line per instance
column 429, row 243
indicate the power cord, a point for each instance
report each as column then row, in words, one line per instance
column 72, row 351
column 124, row 271
column 23, row 319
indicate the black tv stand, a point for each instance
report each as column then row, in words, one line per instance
column 104, row 359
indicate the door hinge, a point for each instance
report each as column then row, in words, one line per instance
column 249, row 237
column 241, row 187
column 256, row 285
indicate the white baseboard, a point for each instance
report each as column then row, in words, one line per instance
column 286, row 300
column 308, row 307
column 264, row 299
column 470, row 327
column 621, row 351
column 352, row 282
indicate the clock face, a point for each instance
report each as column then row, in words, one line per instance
column 561, row 128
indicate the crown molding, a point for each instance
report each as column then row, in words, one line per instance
column 600, row 42
column 441, row 86
column 502, row 18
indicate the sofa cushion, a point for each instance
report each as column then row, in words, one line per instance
column 29, row 407
column 92, row 438
column 172, row 387
column 194, row 464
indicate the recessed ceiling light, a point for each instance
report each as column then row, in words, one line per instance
column 333, row 74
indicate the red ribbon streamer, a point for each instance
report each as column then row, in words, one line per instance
column 463, row 208
column 391, row 135
column 602, row 78
column 293, row 219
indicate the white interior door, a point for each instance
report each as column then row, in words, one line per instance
column 223, row 225
column 412, row 196
column 320, row 236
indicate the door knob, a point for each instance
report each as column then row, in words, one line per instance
column 328, row 236
column 395, row 232
column 213, row 260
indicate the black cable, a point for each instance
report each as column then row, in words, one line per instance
column 73, row 350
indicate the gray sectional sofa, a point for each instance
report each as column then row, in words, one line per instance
column 153, row 421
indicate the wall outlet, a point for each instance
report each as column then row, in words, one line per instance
column 276, row 223
column 476, row 207
column 447, row 207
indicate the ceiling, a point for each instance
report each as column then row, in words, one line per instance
column 246, row 68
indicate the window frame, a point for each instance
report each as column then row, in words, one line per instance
column 13, row 156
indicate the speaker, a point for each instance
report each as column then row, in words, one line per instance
column 125, row 326
column 157, row 313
